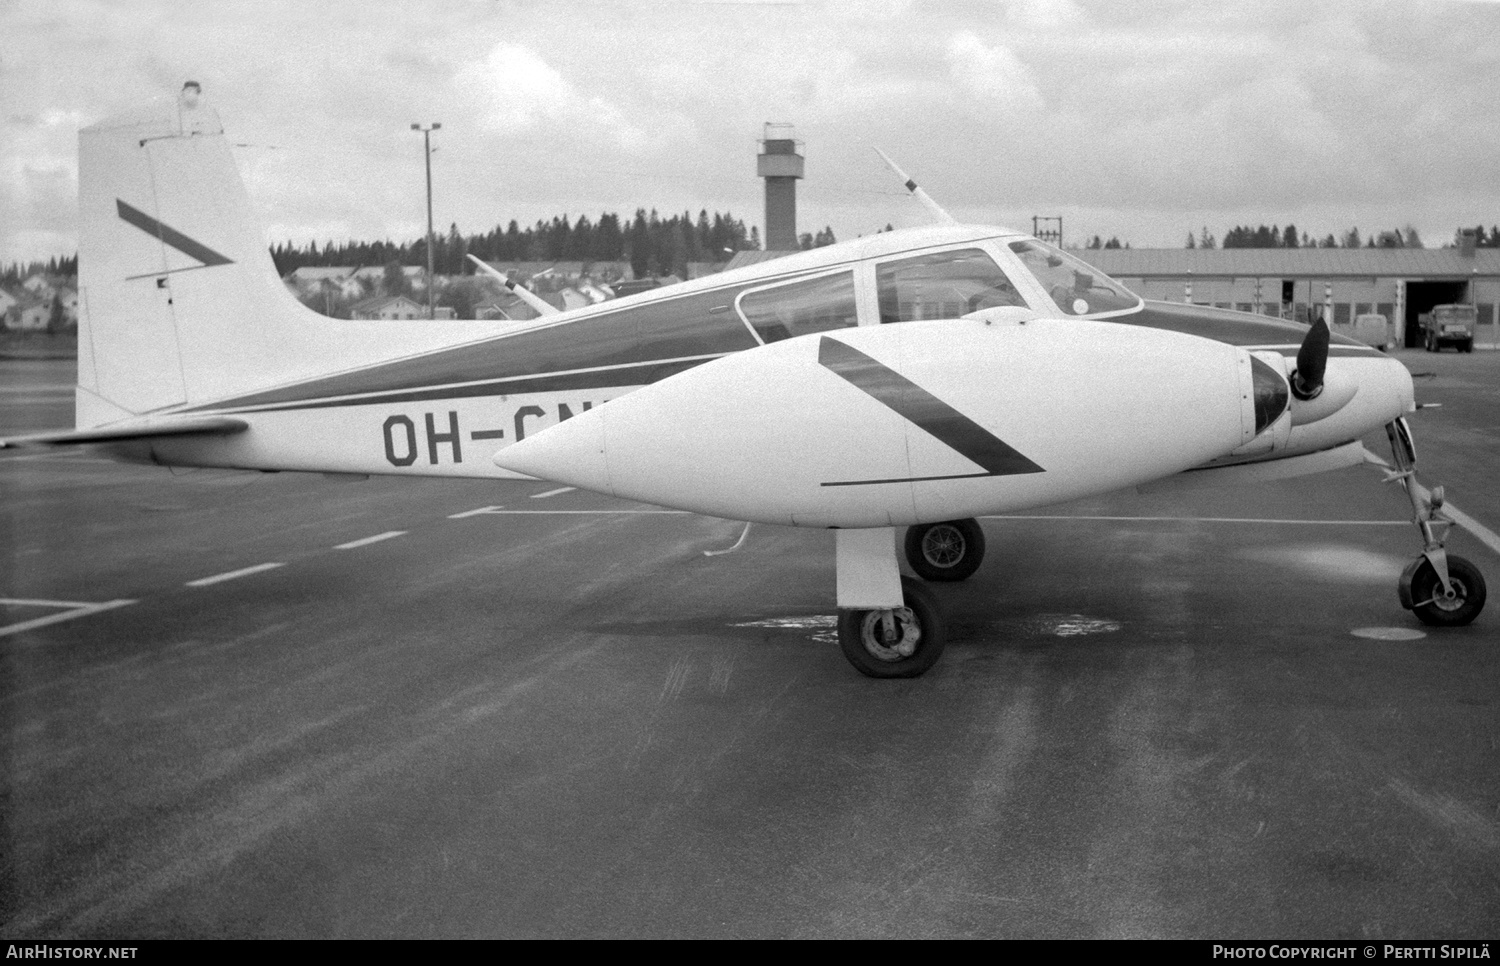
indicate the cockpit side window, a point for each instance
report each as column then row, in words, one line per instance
column 1076, row 287
column 943, row 285
column 813, row 305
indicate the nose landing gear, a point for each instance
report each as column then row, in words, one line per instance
column 1442, row 589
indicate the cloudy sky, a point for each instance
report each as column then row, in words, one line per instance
column 1144, row 119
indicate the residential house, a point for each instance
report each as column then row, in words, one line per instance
column 324, row 280
column 566, row 299
column 388, row 307
column 30, row 315
column 69, row 299
column 375, row 275
column 38, row 285
column 506, row 306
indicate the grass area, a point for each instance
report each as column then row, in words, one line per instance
column 38, row 345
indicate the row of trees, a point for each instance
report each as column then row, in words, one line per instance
column 1490, row 240
column 1243, row 236
column 12, row 273
column 652, row 244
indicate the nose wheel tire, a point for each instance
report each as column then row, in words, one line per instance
column 946, row 551
column 903, row 647
column 1436, row 608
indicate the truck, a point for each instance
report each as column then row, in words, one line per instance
column 1448, row 325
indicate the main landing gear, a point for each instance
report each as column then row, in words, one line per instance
column 1443, row 590
column 889, row 625
column 946, row 551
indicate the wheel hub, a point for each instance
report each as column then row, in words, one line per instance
column 943, row 546
column 1453, row 599
column 874, row 638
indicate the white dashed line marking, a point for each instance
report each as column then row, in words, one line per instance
column 365, row 542
column 474, row 513
column 231, row 575
column 560, row 490
column 71, row 610
column 549, row 513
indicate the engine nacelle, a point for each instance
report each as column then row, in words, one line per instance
column 911, row 422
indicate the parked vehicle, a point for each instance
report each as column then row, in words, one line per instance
column 1374, row 329
column 1449, row 325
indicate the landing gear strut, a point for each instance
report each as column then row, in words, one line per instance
column 889, row 625
column 1443, row 590
column 946, row 551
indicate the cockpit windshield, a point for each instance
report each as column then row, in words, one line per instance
column 1076, row 288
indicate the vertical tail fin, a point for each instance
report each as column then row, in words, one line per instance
column 179, row 300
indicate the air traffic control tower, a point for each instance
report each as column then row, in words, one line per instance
column 780, row 163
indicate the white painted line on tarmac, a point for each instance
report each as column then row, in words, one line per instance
column 1478, row 530
column 74, row 610
column 474, row 513
column 548, row 513
column 366, row 541
column 17, row 602
column 56, row 456
column 231, row 575
column 560, row 490
column 1301, row 523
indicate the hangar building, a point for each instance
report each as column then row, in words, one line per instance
column 1399, row 283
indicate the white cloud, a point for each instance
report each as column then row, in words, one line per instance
column 1045, row 15
column 994, row 74
column 516, row 88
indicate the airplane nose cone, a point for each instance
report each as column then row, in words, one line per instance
column 571, row 452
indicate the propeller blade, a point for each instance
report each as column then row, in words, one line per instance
column 1312, row 362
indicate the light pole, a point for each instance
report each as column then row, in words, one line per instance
column 427, row 150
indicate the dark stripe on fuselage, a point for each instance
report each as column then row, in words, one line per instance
column 647, row 334
column 1226, row 325
column 647, row 342
column 917, row 405
column 640, row 375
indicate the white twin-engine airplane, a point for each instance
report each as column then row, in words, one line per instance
column 916, row 378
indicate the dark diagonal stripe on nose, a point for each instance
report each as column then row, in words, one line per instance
column 911, row 401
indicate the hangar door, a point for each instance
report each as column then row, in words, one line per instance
column 1422, row 296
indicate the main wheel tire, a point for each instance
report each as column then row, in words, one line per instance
column 1433, row 608
column 918, row 643
column 947, row 551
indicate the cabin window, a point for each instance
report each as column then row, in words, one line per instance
column 813, row 305
column 943, row 285
column 1076, row 287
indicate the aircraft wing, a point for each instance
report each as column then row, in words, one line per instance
column 214, row 425
column 1260, row 471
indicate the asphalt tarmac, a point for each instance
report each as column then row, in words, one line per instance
column 245, row 705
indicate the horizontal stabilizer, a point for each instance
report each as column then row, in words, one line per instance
column 219, row 425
